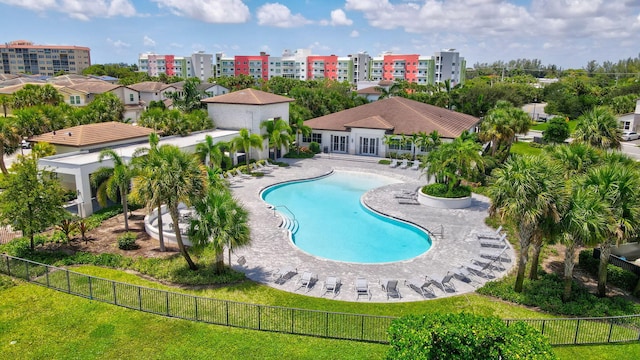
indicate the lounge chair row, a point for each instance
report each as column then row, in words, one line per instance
column 237, row 175
column 404, row 164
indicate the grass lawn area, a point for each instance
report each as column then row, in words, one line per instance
column 543, row 126
column 524, row 148
column 39, row 323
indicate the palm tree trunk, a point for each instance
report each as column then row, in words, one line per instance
column 125, row 208
column 3, row 167
column 569, row 262
column 160, row 231
column 173, row 210
column 525, row 233
column 220, row 261
column 535, row 257
column 605, row 251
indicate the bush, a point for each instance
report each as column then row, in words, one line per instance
column 127, row 241
column 314, row 147
column 464, row 336
column 443, row 191
column 616, row 276
column 5, row 282
column 384, row 162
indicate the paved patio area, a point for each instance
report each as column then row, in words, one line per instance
column 271, row 248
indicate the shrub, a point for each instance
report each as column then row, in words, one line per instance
column 464, row 336
column 616, row 276
column 127, row 241
column 443, row 191
column 384, row 161
column 314, row 147
column 5, row 282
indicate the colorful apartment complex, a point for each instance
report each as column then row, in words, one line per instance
column 301, row 64
column 23, row 57
column 198, row 65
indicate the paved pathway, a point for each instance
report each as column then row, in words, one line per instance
column 271, row 248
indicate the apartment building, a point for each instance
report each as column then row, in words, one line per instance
column 23, row 57
column 198, row 65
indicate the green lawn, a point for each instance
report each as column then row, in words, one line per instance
column 39, row 323
column 543, row 126
column 524, row 148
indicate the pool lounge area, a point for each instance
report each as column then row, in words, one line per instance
column 274, row 260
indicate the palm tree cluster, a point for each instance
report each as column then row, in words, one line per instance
column 175, row 122
column 500, row 126
column 581, row 194
column 419, row 141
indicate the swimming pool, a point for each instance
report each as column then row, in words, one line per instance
column 333, row 224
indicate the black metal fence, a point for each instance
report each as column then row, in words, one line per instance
column 317, row 323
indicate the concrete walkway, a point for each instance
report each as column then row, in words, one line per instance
column 271, row 248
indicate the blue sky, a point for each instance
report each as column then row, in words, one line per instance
column 567, row 33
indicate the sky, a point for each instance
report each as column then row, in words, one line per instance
column 566, row 33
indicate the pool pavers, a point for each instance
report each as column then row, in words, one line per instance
column 271, row 248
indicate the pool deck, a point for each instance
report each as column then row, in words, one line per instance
column 271, row 248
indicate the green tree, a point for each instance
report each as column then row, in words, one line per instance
column 114, row 182
column 5, row 101
column 9, row 140
column 599, row 128
column 210, row 153
column 221, row 222
column 428, row 142
column 104, row 108
column 501, row 125
column 277, row 133
column 182, row 180
column 557, row 131
column 188, row 99
column 32, row 95
column 246, row 141
column 618, row 186
column 32, row 198
column 529, row 190
column 298, row 128
column 453, row 162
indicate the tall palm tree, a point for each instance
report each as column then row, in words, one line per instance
column 9, row 141
column 183, row 180
column 528, row 190
column 428, row 142
column 501, row 125
column 575, row 158
column 452, row 162
column 599, row 128
column 298, row 128
column 111, row 182
column 618, row 187
column 246, row 141
column 388, row 139
column 5, row 101
column 277, row 133
column 147, row 182
column 221, row 222
column 211, row 151
column 585, row 222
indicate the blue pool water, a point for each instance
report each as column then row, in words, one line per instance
column 334, row 225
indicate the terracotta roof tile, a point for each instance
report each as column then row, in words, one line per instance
column 404, row 116
column 150, row 86
column 371, row 90
column 248, row 97
column 93, row 134
column 94, row 87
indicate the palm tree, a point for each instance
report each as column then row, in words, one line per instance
column 428, row 142
column 9, row 141
column 147, row 182
column 618, row 186
column 585, row 222
column 599, row 128
column 211, row 151
column 182, row 180
column 5, row 101
column 452, row 162
column 221, row 222
column 386, row 93
column 528, row 190
column 277, row 133
column 388, row 139
column 245, row 141
column 111, row 182
column 299, row 128
column 575, row 158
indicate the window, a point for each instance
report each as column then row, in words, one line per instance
column 74, row 99
column 131, row 97
column 315, row 137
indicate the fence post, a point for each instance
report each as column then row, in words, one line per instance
column 544, row 322
column 46, row 275
column 362, row 328
column 575, row 339
column 259, row 322
column 326, row 325
column 68, row 282
column 226, row 306
column 115, row 297
column 292, row 320
column 26, row 269
column 90, row 289
column 8, row 267
column 140, row 298
column 610, row 330
column 167, row 297
column 195, row 300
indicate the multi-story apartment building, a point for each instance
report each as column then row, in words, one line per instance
column 443, row 65
column 198, row 65
column 23, row 57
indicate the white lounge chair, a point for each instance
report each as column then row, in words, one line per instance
column 501, row 256
column 307, row 280
column 404, row 164
column 263, row 168
column 394, row 163
column 491, row 235
column 362, row 288
column 415, row 165
column 422, row 287
column 445, row 283
column 331, row 285
column 242, row 175
column 283, row 274
column 495, row 243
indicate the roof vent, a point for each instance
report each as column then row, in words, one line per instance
column 69, row 133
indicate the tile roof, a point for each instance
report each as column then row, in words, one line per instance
column 248, row 97
column 150, row 86
column 93, row 134
column 371, row 90
column 401, row 115
column 94, row 87
column 13, row 88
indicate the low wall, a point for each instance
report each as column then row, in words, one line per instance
column 168, row 236
column 444, row 203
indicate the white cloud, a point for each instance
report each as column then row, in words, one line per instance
column 278, row 15
column 319, row 47
column 118, row 44
column 354, row 34
column 148, row 42
column 176, row 45
column 211, row 11
column 338, row 18
column 79, row 9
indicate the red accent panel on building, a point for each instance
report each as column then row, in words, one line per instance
column 394, row 62
column 241, row 65
column 329, row 67
column 168, row 63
